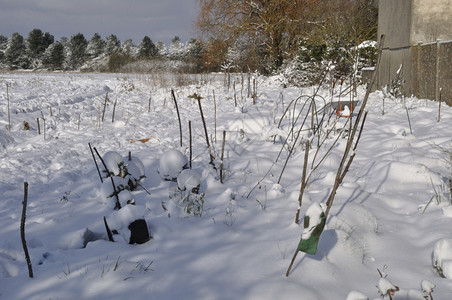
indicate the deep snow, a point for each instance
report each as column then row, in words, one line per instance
column 385, row 216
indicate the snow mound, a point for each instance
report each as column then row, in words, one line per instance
column 189, row 180
column 442, row 257
column 113, row 161
column 172, row 162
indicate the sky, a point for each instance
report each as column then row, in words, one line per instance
column 161, row 20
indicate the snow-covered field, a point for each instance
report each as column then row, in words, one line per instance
column 392, row 213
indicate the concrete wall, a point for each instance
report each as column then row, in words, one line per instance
column 394, row 21
column 411, row 29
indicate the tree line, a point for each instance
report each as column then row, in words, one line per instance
column 39, row 50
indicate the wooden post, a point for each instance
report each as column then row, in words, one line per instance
column 222, row 157
column 22, row 231
column 9, row 112
column 190, row 142
column 178, row 116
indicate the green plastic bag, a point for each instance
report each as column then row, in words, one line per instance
column 311, row 233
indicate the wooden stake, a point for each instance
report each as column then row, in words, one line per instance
column 291, row 262
column 215, row 114
column 439, row 106
column 105, row 106
column 340, row 175
column 222, row 157
column 39, row 127
column 9, row 112
column 22, row 231
column 190, row 146
column 118, row 204
column 114, row 109
column 178, row 116
column 205, row 130
column 303, row 182
column 95, row 162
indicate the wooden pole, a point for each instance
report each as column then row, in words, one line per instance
column 190, row 146
column 222, row 157
column 178, row 116
column 303, row 182
column 291, row 262
column 22, row 231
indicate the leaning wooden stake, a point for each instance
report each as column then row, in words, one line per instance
column 303, row 182
column 95, row 162
column 222, row 157
column 343, row 167
column 22, row 230
column 198, row 97
column 118, row 204
column 291, row 263
column 340, row 171
column 178, row 116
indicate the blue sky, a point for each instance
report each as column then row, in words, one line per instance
column 161, row 20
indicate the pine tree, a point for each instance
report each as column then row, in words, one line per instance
column 176, row 49
column 48, row 40
column 77, row 50
column 54, row 57
column 95, row 46
column 15, row 52
column 35, row 43
column 147, row 49
column 112, row 44
column 161, row 48
column 129, row 48
column 3, row 45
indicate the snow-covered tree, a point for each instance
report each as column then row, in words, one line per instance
column 77, row 50
column 35, row 43
column 53, row 57
column 95, row 46
column 15, row 52
column 147, row 49
column 3, row 46
column 176, row 50
column 129, row 48
column 161, row 48
column 112, row 44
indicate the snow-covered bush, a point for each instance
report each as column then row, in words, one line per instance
column 189, row 180
column 130, row 168
column 121, row 190
column 171, row 164
column 442, row 257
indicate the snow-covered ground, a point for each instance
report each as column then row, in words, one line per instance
column 392, row 214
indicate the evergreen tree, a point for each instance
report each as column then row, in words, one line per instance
column 15, row 52
column 3, row 45
column 161, row 48
column 176, row 49
column 112, row 44
column 77, row 50
column 129, row 48
column 35, row 43
column 147, row 49
column 54, row 57
column 95, row 46
column 194, row 50
column 48, row 40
